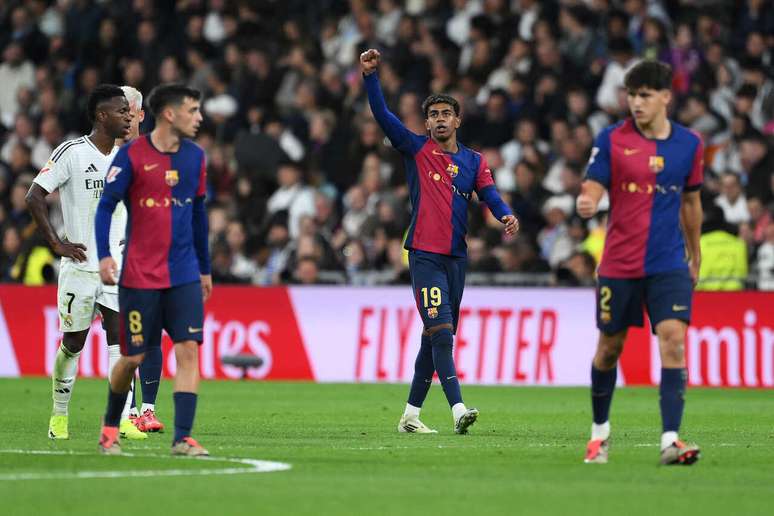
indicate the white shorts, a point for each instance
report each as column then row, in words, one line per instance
column 79, row 295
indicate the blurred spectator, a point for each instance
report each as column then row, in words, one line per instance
column 291, row 196
column 757, row 159
column 723, row 254
column 732, row 200
column 15, row 73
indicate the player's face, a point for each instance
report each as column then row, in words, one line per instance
column 647, row 104
column 187, row 117
column 137, row 115
column 441, row 121
column 116, row 118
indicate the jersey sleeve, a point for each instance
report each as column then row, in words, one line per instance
column 119, row 175
column 202, row 190
column 487, row 191
column 401, row 138
column 696, row 177
column 56, row 171
column 598, row 168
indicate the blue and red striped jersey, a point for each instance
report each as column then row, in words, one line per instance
column 164, row 196
column 645, row 179
column 440, row 183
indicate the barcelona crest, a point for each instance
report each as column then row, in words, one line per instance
column 656, row 164
column 432, row 312
column 171, row 177
column 453, row 170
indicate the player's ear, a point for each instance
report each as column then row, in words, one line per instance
column 141, row 115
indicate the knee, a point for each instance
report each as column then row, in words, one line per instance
column 608, row 352
column 673, row 345
column 74, row 342
column 134, row 360
column 187, row 353
column 440, row 334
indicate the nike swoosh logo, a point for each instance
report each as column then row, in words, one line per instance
column 151, row 382
column 450, row 377
column 679, row 308
column 194, row 330
column 438, row 153
column 629, row 152
column 150, row 167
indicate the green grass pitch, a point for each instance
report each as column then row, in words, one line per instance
column 524, row 456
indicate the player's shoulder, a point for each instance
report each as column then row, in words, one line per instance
column 67, row 148
column 622, row 126
column 191, row 150
column 188, row 145
column 472, row 156
column 684, row 134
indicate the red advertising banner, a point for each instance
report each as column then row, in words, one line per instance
column 343, row 334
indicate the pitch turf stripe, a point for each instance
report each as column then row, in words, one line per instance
column 255, row 466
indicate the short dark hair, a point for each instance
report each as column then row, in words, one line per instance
column 649, row 74
column 100, row 94
column 440, row 98
column 166, row 94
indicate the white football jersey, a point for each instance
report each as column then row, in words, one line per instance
column 77, row 168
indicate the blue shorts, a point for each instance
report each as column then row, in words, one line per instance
column 144, row 312
column 620, row 301
column 438, row 281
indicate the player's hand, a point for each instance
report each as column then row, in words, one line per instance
column 66, row 248
column 511, row 224
column 108, row 271
column 585, row 206
column 206, row 286
column 369, row 61
column 694, row 266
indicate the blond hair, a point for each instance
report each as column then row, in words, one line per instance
column 133, row 96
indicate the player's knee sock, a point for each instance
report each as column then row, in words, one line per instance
column 150, row 375
column 116, row 402
column 443, row 360
column 133, row 397
column 185, row 409
column 114, row 353
column 423, row 374
column 602, row 387
column 63, row 379
column 672, row 400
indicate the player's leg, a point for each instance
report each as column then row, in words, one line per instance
column 669, row 306
column 150, row 381
column 111, row 324
column 137, row 322
column 76, row 296
column 183, row 316
column 619, row 305
column 421, row 382
column 462, row 416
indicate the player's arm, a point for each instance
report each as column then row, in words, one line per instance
column 691, row 214
column 117, row 183
column 201, row 234
column 51, row 177
column 597, row 177
column 36, row 203
column 400, row 137
column 487, row 192
column 690, row 219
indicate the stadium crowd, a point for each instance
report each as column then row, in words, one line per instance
column 303, row 187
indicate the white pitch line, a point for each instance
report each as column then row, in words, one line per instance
column 256, row 466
